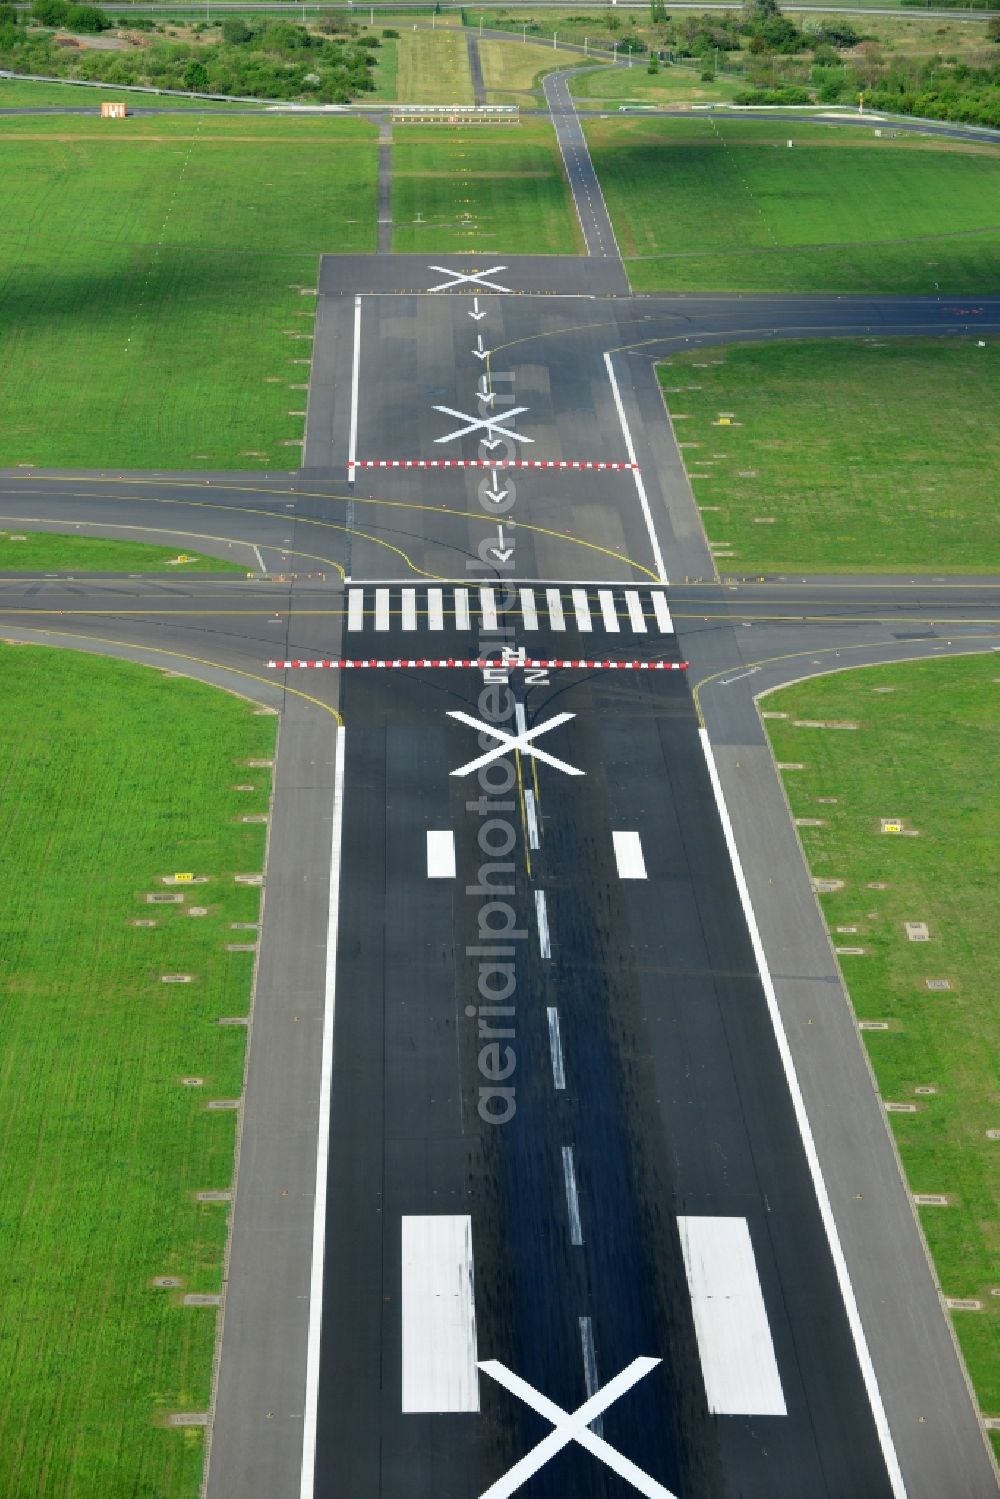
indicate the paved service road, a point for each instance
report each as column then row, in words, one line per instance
column 598, row 1129
column 588, row 199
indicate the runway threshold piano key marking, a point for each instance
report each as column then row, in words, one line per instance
column 439, row 1315
column 612, row 610
column 734, row 1338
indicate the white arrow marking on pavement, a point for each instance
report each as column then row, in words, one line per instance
column 473, row 278
column 487, row 424
column 519, row 741
column 477, row 314
column 496, row 494
column 479, row 352
column 573, row 1427
column 502, row 552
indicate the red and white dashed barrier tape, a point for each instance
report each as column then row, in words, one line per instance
column 489, row 463
column 478, row 664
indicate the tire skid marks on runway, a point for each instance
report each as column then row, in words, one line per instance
column 611, row 609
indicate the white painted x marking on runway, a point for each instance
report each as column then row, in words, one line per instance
column 573, row 1427
column 519, row 741
column 470, row 278
column 487, row 424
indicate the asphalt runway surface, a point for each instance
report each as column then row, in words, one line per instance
column 696, row 1126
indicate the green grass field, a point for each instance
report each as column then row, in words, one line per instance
column 925, row 751
column 15, row 94
column 612, row 87
column 149, row 283
column 498, row 189
column 422, row 66
column 433, row 67
column 514, row 66
column 104, row 1148
column 44, row 551
column 725, row 205
column 873, row 455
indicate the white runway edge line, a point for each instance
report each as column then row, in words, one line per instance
column 661, row 571
column 352, row 450
column 730, row 1319
column 323, row 1137
column 808, row 1143
column 440, row 855
column 440, row 1354
column 628, row 855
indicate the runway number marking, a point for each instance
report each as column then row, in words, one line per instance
column 522, row 740
column 573, row 1427
column 488, row 424
column 468, row 278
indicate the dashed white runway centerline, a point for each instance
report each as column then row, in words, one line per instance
column 531, row 817
column 572, row 1196
column 542, row 918
column 555, row 1049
